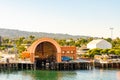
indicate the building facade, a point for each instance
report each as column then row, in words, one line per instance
column 48, row 49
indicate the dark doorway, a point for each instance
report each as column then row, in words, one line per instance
column 45, row 55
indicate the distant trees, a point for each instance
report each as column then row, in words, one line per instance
column 115, row 48
column 5, row 43
column 32, row 37
column 115, row 42
column 71, row 42
column 22, row 41
column 104, row 51
column 91, row 53
column 20, row 44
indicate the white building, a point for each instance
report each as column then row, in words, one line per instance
column 99, row 43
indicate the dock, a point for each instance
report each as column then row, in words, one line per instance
column 73, row 65
column 58, row 66
column 16, row 66
column 107, row 65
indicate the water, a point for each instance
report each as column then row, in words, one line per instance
column 96, row 74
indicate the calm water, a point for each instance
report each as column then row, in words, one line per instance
column 96, row 74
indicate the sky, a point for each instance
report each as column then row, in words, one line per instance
column 76, row 17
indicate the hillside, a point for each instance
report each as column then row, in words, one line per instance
column 11, row 33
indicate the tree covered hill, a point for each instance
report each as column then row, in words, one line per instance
column 11, row 33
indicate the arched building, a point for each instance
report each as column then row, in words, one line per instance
column 48, row 49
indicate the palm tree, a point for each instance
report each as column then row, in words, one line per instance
column 32, row 37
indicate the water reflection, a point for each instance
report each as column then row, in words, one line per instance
column 118, row 75
column 15, row 75
column 43, row 75
column 67, row 75
column 96, row 74
column 51, row 75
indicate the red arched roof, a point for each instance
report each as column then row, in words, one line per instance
column 32, row 48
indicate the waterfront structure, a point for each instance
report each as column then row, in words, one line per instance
column 82, row 50
column 47, row 54
column 99, row 43
column 107, row 61
column 107, row 58
column 48, row 49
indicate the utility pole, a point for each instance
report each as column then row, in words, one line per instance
column 111, row 32
column 15, row 51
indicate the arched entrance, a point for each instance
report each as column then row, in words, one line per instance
column 45, row 50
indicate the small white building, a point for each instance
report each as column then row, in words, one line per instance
column 82, row 50
column 99, row 43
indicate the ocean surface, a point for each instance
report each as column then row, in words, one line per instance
column 95, row 74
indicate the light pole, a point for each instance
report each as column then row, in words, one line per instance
column 111, row 32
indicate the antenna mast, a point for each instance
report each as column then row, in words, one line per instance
column 111, row 32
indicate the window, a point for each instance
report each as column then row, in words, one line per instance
column 68, row 51
column 72, row 51
column 63, row 51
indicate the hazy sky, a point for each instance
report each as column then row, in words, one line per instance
column 76, row 17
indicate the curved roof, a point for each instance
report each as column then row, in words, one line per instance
column 32, row 48
column 96, row 41
column 99, row 43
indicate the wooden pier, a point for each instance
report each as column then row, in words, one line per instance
column 107, row 65
column 58, row 66
column 73, row 66
column 16, row 66
column 47, row 66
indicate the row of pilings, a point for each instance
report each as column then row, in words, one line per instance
column 48, row 66
column 58, row 66
column 69, row 66
column 16, row 66
column 115, row 65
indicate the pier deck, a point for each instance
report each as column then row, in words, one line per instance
column 107, row 65
column 73, row 65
